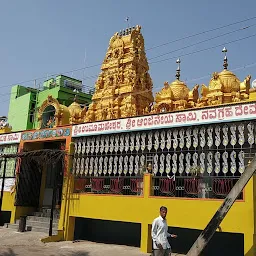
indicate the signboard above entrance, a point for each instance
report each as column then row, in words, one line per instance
column 11, row 138
column 46, row 134
column 185, row 118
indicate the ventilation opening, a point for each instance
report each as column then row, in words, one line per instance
column 109, row 232
column 5, row 217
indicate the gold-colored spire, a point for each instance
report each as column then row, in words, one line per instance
column 178, row 69
column 225, row 64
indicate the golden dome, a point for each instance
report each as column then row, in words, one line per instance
column 75, row 110
column 179, row 90
column 229, row 81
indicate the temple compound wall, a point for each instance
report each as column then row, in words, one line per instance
column 126, row 169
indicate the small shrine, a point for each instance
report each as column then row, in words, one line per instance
column 175, row 96
column 124, row 87
column 4, row 125
column 225, row 87
column 52, row 114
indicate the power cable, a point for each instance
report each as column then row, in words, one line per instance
column 205, row 49
column 203, row 41
column 96, row 65
column 200, row 33
column 190, row 80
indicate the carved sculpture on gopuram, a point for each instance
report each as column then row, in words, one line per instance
column 124, row 87
column 77, row 113
column 225, row 87
column 175, row 96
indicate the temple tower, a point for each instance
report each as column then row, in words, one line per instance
column 124, row 86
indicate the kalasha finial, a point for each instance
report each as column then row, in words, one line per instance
column 178, row 69
column 127, row 20
column 225, row 64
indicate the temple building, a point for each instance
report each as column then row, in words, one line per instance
column 128, row 153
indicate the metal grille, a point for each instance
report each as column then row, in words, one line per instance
column 109, row 185
column 193, row 187
column 217, row 150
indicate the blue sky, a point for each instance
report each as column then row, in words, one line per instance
column 52, row 36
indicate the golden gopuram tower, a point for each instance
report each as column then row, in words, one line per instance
column 124, row 86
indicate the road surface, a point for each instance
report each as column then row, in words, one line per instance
column 13, row 243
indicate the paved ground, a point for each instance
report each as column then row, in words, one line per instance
column 28, row 244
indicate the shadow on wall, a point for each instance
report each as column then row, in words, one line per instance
column 221, row 244
column 251, row 252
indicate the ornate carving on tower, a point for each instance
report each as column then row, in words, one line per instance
column 225, row 87
column 175, row 96
column 124, row 87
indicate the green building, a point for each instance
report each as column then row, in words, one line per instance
column 25, row 101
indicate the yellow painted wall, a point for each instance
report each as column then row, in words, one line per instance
column 16, row 211
column 8, row 201
column 184, row 213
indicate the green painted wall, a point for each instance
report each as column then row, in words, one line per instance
column 20, row 115
column 25, row 102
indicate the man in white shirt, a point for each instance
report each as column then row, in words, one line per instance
column 160, row 234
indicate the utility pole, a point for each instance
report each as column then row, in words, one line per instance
column 216, row 220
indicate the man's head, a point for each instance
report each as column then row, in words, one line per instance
column 163, row 211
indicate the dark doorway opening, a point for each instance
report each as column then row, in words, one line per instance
column 54, row 177
column 5, row 217
column 106, row 231
column 30, row 177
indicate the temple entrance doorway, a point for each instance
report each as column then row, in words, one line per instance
column 40, row 176
column 53, row 178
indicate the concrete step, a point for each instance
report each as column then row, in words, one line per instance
column 33, row 228
column 44, row 230
column 46, row 214
column 41, row 224
column 12, row 226
column 41, row 219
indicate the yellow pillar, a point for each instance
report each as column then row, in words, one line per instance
column 249, row 248
column 145, row 240
column 66, row 222
column 69, row 236
column 147, row 185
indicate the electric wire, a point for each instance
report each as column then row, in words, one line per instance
column 203, row 41
column 160, row 45
column 201, row 33
column 245, row 66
